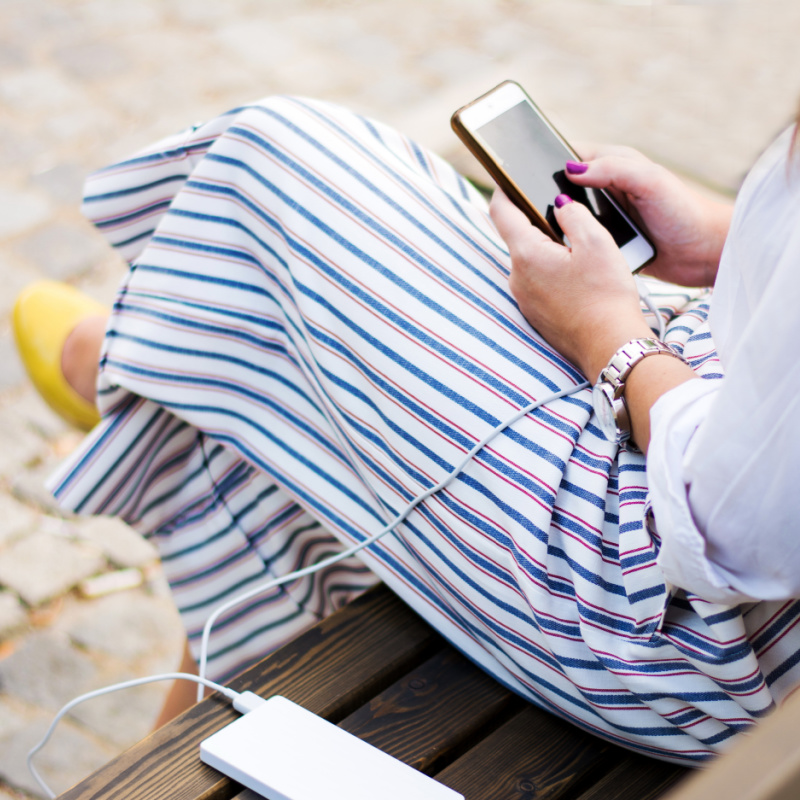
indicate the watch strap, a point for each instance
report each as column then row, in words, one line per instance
column 627, row 357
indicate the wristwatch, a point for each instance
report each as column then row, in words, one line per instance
column 608, row 393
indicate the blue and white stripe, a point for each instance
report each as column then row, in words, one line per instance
column 316, row 328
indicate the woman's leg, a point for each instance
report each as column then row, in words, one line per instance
column 81, row 356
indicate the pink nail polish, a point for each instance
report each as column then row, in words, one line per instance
column 562, row 200
column 576, row 167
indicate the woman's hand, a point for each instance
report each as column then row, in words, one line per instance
column 688, row 230
column 582, row 299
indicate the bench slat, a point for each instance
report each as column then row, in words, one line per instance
column 430, row 714
column 533, row 755
column 636, row 778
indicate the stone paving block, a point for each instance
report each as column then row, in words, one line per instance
column 69, row 756
column 18, row 147
column 23, row 209
column 39, row 89
column 63, row 182
column 12, row 55
column 42, row 566
column 92, row 61
column 61, row 252
column 12, row 614
column 123, row 717
column 117, row 541
column 204, row 12
column 36, row 415
column 129, row 625
column 16, row 519
column 133, row 15
column 13, row 373
column 47, row 670
column 28, row 485
column 21, row 446
column 17, row 274
column 39, row 17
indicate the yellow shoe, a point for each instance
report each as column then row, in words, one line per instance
column 44, row 315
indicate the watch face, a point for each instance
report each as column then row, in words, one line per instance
column 604, row 410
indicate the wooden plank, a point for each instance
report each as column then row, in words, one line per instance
column 331, row 669
column 636, row 778
column 431, row 714
column 763, row 765
column 533, row 755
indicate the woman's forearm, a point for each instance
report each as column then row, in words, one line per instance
column 650, row 379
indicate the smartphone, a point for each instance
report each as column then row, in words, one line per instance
column 526, row 156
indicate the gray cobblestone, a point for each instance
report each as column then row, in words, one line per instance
column 36, row 416
column 21, row 446
column 91, row 61
column 62, row 252
column 21, row 210
column 15, row 518
column 63, row 182
column 17, row 147
column 128, row 625
column 39, row 89
column 123, row 718
column 28, row 485
column 13, row 373
column 12, row 614
column 69, row 756
column 117, row 541
column 17, row 275
column 41, row 566
column 46, row 671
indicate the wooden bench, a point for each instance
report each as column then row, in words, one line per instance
column 380, row 672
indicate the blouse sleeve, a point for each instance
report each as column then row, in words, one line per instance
column 724, row 458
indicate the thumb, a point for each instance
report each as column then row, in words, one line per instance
column 581, row 227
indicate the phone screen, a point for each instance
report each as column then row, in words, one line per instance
column 535, row 159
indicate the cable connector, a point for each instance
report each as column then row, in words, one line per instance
column 245, row 702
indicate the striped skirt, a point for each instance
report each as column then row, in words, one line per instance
column 315, row 328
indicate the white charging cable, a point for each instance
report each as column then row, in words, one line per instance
column 242, row 702
column 265, row 587
column 246, row 701
column 644, row 296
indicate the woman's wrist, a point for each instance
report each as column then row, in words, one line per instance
column 606, row 340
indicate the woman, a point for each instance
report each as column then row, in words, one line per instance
column 319, row 323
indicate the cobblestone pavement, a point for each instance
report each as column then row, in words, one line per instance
column 699, row 85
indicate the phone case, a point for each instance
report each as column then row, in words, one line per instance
column 500, row 176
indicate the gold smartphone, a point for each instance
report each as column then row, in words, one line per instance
column 526, row 156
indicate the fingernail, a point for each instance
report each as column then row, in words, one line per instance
column 576, row 167
column 562, row 200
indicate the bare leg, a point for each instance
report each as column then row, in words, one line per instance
column 182, row 694
column 81, row 353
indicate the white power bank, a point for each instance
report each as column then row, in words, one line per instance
column 284, row 752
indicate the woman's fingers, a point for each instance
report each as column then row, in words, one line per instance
column 513, row 226
column 632, row 176
column 584, row 232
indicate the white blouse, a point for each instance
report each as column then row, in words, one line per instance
column 724, row 458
